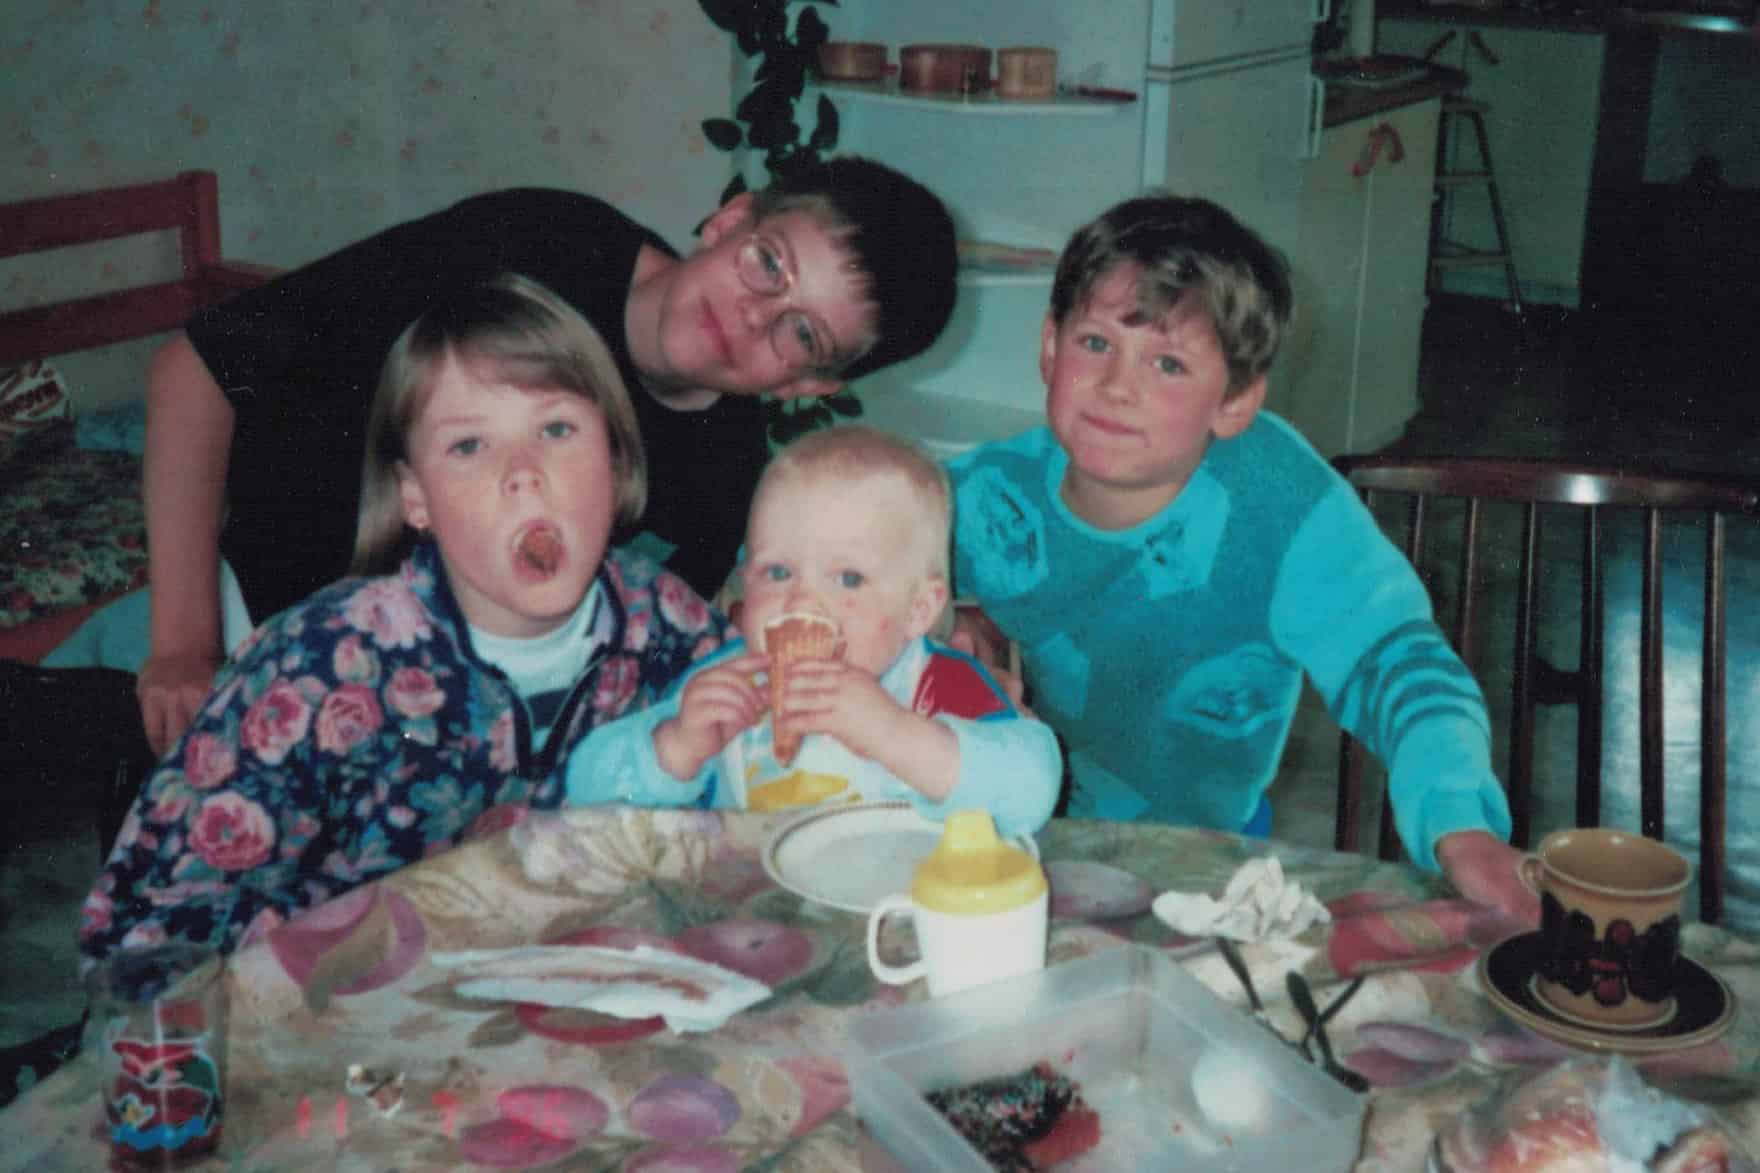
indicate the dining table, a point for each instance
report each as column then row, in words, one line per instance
column 352, row 1047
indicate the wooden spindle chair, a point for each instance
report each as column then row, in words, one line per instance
column 1532, row 485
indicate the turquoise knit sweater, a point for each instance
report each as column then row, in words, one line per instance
column 1170, row 656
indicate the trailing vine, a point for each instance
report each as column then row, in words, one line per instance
column 764, row 120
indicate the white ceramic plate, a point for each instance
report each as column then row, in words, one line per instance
column 851, row 857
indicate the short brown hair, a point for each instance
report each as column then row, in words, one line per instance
column 1186, row 248
column 529, row 338
column 899, row 238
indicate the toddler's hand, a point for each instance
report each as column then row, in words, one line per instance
column 716, row 704
column 1484, row 869
column 830, row 696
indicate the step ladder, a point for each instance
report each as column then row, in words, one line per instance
column 1447, row 254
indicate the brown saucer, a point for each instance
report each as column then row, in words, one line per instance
column 1704, row 1006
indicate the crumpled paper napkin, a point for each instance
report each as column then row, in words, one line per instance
column 1258, row 904
column 643, row 982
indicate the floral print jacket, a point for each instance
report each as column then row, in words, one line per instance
column 353, row 734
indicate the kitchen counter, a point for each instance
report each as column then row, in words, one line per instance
column 1600, row 19
column 1346, row 102
column 1560, row 20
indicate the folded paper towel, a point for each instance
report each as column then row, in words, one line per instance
column 643, row 982
column 1258, row 904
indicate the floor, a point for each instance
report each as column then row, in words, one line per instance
column 1631, row 394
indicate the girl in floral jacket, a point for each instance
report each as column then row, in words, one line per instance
column 380, row 720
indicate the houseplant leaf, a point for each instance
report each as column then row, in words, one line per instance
column 723, row 134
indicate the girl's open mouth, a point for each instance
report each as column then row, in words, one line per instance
column 538, row 550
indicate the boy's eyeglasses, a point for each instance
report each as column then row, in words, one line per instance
column 793, row 335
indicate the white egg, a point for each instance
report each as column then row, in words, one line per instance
column 1232, row 1092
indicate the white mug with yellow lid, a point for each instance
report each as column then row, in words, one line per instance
column 979, row 906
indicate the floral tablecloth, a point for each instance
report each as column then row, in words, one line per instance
column 496, row 1085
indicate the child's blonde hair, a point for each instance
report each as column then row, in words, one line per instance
column 850, row 451
column 524, row 335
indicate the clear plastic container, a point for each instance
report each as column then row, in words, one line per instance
column 1130, row 1026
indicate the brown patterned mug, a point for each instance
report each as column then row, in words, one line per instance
column 1610, row 926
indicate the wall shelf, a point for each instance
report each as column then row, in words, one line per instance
column 990, row 263
column 887, row 93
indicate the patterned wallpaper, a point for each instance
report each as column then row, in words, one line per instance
column 329, row 119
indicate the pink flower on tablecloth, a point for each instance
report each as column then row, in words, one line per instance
column 413, row 692
column 1089, row 891
column 1400, row 1054
column 208, row 760
column 354, row 661
column 683, row 1159
column 301, row 943
column 763, row 950
column 1438, row 936
column 388, row 611
column 508, row 1144
column 683, row 1108
column 733, row 876
column 538, row 1124
column 232, row 833
column 347, row 717
column 276, row 722
column 681, row 605
column 824, row 1088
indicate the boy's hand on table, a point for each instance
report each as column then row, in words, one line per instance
column 1485, row 870
column 716, row 704
column 171, row 690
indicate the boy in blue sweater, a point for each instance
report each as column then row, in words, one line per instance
column 1171, row 560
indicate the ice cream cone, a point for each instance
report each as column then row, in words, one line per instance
column 795, row 636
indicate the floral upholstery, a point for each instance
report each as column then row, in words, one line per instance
column 72, row 526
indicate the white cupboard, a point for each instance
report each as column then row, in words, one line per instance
column 1349, row 376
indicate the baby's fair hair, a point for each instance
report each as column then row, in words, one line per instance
column 1188, row 253
column 511, row 330
column 899, row 241
column 849, row 453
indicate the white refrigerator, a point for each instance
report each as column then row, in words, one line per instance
column 1221, row 105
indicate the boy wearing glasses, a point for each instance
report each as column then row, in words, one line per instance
column 839, row 270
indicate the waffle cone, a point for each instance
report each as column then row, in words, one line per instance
column 788, row 639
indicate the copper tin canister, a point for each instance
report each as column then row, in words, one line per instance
column 944, row 69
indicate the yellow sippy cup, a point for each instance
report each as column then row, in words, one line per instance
column 979, row 906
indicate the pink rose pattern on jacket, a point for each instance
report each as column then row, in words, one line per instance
column 353, row 734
